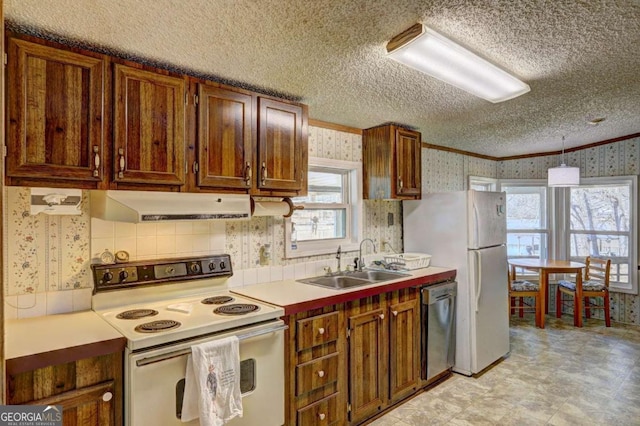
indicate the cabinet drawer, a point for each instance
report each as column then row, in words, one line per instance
column 323, row 412
column 315, row 374
column 317, row 330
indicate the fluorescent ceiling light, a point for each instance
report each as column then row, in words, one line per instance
column 427, row 51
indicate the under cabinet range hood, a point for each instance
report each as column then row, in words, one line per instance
column 144, row 206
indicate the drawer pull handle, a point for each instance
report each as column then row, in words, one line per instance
column 381, row 316
column 400, row 183
column 321, row 373
column 321, row 416
column 395, row 313
column 321, row 330
column 106, row 397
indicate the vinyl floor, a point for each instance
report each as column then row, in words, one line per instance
column 561, row 375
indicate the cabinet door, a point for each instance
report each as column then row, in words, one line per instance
column 408, row 153
column 404, row 348
column 225, row 142
column 280, row 146
column 367, row 364
column 148, row 127
column 54, row 111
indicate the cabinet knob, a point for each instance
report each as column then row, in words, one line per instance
column 321, row 330
column 321, row 416
column 106, row 397
column 321, row 373
column 381, row 316
column 395, row 313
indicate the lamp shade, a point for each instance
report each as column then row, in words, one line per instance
column 563, row 175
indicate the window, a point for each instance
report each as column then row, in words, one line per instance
column 598, row 218
column 332, row 210
column 527, row 223
column 600, row 221
column 480, row 183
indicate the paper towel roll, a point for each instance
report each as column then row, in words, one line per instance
column 271, row 208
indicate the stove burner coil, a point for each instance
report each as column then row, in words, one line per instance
column 157, row 326
column 136, row 314
column 217, row 300
column 236, row 309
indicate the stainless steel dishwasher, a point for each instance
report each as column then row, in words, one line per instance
column 438, row 316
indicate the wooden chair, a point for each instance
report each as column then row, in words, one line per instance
column 595, row 284
column 519, row 289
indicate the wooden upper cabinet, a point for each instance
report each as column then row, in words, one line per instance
column 408, row 163
column 225, row 142
column 149, row 127
column 282, row 147
column 55, row 110
column 391, row 158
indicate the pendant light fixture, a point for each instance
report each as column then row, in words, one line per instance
column 563, row 175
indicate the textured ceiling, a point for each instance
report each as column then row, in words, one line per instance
column 581, row 59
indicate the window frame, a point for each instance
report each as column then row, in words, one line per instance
column 548, row 230
column 353, row 205
column 490, row 184
column 564, row 218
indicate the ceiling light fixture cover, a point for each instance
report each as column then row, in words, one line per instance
column 563, row 175
column 431, row 53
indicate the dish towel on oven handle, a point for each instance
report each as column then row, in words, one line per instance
column 212, row 382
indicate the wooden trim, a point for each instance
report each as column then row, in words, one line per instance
column 2, row 143
column 367, row 292
column 332, row 126
column 574, row 149
column 459, row 151
column 405, row 37
column 61, row 356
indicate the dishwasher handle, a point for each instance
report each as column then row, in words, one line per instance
column 434, row 293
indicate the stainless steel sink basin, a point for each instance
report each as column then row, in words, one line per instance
column 378, row 276
column 352, row 279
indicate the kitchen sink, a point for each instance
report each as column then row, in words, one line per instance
column 352, row 279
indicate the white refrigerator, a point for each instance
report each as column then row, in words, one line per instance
column 466, row 230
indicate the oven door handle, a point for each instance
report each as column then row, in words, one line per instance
column 187, row 351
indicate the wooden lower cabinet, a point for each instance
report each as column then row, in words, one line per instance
column 316, row 388
column 89, row 390
column 348, row 363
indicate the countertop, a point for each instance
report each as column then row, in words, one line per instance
column 296, row 297
column 32, row 343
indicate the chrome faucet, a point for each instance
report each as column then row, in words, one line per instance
column 338, row 256
column 360, row 259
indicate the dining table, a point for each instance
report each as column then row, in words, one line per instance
column 545, row 267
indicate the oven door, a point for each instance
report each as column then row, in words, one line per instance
column 154, row 380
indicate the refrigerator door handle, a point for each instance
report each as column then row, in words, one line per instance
column 478, row 277
column 475, row 226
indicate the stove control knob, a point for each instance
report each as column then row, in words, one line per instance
column 212, row 266
column 108, row 276
column 195, row 268
column 123, row 275
column 222, row 266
